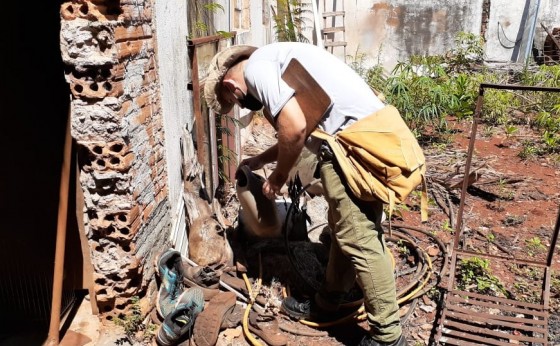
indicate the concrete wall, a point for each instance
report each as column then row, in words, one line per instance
column 109, row 53
column 171, row 30
column 389, row 31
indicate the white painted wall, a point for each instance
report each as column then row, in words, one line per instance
column 174, row 74
column 506, row 24
column 389, row 31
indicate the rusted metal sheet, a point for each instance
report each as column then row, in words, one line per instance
column 201, row 50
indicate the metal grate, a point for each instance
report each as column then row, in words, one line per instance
column 474, row 319
column 470, row 318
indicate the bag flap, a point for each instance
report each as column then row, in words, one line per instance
column 386, row 136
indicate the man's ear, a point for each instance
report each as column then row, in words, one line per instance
column 229, row 84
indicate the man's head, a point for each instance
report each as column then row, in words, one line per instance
column 225, row 85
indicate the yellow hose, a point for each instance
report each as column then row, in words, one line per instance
column 424, row 282
column 360, row 313
column 252, row 298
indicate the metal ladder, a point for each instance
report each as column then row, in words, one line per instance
column 334, row 29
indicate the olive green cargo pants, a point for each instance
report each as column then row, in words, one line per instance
column 358, row 253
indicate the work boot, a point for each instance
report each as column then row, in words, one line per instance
column 369, row 341
column 308, row 309
column 297, row 309
column 206, row 278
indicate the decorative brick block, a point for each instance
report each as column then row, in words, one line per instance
column 108, row 156
column 89, row 11
column 87, row 88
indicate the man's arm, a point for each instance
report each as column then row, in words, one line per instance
column 258, row 161
column 291, row 126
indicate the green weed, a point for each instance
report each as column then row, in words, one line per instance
column 132, row 322
column 291, row 19
column 475, row 273
column 535, row 246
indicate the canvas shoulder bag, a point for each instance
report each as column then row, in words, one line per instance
column 380, row 158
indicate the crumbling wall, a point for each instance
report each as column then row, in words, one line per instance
column 108, row 49
column 392, row 31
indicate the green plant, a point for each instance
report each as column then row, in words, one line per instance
column 510, row 130
column 504, row 192
column 434, row 294
column 416, row 89
column 291, row 19
column 529, row 150
column 488, row 131
column 463, row 95
column 498, row 105
column 468, row 49
column 201, row 18
column 132, row 322
column 475, row 273
column 535, row 246
column 402, row 248
column 446, row 226
column 551, row 141
column 399, row 209
column 226, row 155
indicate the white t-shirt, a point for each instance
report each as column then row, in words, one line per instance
column 351, row 97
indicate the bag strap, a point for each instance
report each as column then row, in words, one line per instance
column 424, row 200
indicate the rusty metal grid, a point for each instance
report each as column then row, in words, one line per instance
column 474, row 319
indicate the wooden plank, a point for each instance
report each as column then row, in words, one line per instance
column 335, row 44
column 333, row 14
column 333, row 29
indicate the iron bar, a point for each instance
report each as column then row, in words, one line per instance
column 58, row 276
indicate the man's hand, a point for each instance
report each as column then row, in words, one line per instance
column 273, row 184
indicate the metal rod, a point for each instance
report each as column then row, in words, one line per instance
column 553, row 241
column 54, row 327
column 476, row 118
column 209, row 39
column 517, row 87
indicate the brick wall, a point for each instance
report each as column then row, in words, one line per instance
column 108, row 50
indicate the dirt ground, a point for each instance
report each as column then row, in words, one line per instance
column 510, row 209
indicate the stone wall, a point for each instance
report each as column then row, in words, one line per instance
column 108, row 50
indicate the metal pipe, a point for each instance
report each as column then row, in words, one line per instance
column 54, row 327
column 532, row 33
column 476, row 119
